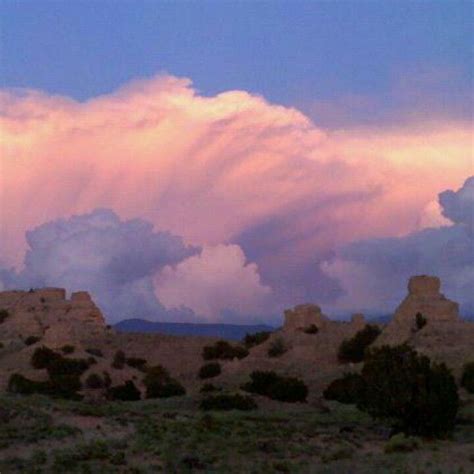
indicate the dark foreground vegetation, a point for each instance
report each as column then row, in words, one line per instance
column 43, row 435
column 404, row 388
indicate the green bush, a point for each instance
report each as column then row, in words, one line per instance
column 401, row 386
column 4, row 314
column 64, row 366
column 209, row 387
column 252, row 340
column 30, row 340
column 68, row 349
column 346, row 389
column 228, row 402
column 159, row 384
column 353, row 349
column 64, row 373
column 95, row 352
column 277, row 348
column 312, row 329
column 65, row 386
column 212, row 369
column 107, row 379
column 94, row 381
column 42, row 357
column 337, row 453
column 119, row 360
column 420, row 321
column 17, row 383
column 224, row 350
column 136, row 363
column 125, row 392
column 467, row 378
column 276, row 387
column 400, row 443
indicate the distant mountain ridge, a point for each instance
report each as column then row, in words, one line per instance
column 224, row 331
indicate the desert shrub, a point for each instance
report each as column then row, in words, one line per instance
column 65, row 386
column 64, row 373
column 125, row 392
column 252, row 340
column 64, row 366
column 4, row 314
column 353, row 349
column 228, row 402
column 107, row 379
column 42, row 357
column 420, row 321
column 209, row 387
column 276, row 387
column 277, row 348
column 467, row 378
column 207, row 371
column 223, row 350
column 401, row 443
column 337, row 453
column 312, row 329
column 17, row 383
column 400, row 385
column 95, row 352
column 94, row 381
column 346, row 389
column 68, row 349
column 136, row 363
column 119, row 360
column 30, row 340
column 65, row 376
column 159, row 384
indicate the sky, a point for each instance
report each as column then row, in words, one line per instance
column 220, row 161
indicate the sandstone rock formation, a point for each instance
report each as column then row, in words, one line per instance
column 303, row 316
column 424, row 297
column 56, row 320
column 47, row 314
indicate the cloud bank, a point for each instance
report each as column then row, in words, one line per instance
column 230, row 169
column 373, row 273
column 217, row 279
column 134, row 271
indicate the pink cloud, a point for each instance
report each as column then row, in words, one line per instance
column 217, row 279
column 209, row 168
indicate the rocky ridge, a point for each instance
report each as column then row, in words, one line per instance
column 309, row 338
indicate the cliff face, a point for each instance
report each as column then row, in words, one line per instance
column 47, row 313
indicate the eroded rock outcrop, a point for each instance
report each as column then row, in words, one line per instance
column 303, row 316
column 425, row 301
column 47, row 314
column 424, row 297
